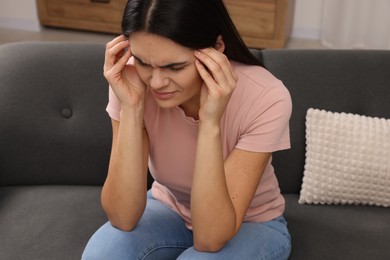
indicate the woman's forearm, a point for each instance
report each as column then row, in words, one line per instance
column 213, row 214
column 124, row 191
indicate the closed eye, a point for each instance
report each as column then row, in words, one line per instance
column 141, row 63
column 175, row 69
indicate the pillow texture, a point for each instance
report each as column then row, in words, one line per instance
column 347, row 159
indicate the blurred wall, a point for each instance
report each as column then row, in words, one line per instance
column 19, row 14
column 307, row 19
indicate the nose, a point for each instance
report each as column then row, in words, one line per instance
column 158, row 80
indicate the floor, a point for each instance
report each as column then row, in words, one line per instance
column 52, row 34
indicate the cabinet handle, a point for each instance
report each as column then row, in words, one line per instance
column 100, row 1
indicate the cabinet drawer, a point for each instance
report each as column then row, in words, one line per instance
column 253, row 18
column 103, row 16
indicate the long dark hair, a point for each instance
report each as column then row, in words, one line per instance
column 194, row 24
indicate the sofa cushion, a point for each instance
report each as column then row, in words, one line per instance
column 347, row 159
column 324, row 232
column 48, row 222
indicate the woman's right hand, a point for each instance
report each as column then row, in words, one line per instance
column 122, row 77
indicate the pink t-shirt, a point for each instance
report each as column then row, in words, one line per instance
column 256, row 119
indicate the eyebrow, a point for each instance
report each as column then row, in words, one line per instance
column 164, row 66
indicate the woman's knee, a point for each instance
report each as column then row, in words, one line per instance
column 270, row 241
column 109, row 242
column 159, row 232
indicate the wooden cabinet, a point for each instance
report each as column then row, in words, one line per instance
column 92, row 15
column 261, row 23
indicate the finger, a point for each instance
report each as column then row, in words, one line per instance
column 116, row 40
column 120, row 63
column 207, row 78
column 111, row 44
column 116, row 54
column 220, row 66
column 123, row 57
column 224, row 62
column 116, row 51
column 215, row 70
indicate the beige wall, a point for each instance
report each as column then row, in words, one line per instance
column 22, row 14
column 307, row 19
column 19, row 14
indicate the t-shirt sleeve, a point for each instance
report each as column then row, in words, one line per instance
column 113, row 108
column 267, row 122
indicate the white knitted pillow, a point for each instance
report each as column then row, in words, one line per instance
column 347, row 159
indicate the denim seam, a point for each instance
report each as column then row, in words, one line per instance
column 158, row 246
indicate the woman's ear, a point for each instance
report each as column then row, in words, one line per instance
column 220, row 44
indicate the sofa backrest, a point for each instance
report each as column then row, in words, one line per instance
column 351, row 81
column 54, row 129
column 53, row 126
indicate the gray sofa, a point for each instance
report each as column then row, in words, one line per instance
column 55, row 139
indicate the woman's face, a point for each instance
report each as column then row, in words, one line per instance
column 168, row 70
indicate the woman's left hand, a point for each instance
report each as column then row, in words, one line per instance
column 219, row 83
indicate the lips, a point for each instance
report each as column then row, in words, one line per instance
column 164, row 95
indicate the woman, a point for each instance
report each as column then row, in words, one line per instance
column 192, row 104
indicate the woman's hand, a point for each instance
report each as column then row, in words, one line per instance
column 122, row 77
column 219, row 83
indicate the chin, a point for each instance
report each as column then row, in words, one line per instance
column 166, row 104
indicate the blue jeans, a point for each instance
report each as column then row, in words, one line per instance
column 162, row 234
